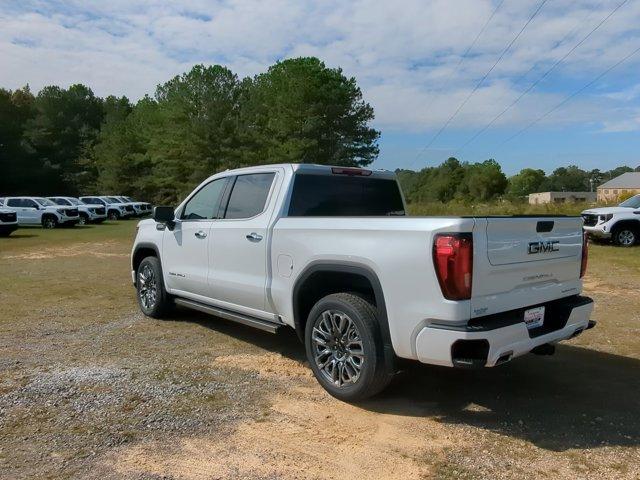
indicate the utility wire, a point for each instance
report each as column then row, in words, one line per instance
column 544, row 75
column 568, row 98
column 466, row 52
column 475, row 89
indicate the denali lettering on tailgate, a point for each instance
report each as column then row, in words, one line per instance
column 543, row 247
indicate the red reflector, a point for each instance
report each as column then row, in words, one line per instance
column 453, row 260
column 585, row 254
column 350, row 171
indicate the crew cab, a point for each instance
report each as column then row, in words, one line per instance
column 41, row 211
column 87, row 213
column 330, row 252
column 620, row 224
column 114, row 207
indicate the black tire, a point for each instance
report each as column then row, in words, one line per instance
column 49, row 222
column 625, row 236
column 373, row 375
column 113, row 215
column 162, row 301
column 83, row 219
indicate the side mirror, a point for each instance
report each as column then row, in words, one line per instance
column 164, row 215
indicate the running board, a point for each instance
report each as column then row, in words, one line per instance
column 227, row 315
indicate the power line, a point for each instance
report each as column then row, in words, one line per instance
column 567, row 99
column 475, row 89
column 544, row 75
column 466, row 52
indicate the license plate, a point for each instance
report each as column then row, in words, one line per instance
column 534, row 317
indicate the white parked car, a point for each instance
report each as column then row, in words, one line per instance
column 8, row 221
column 115, row 208
column 329, row 252
column 620, row 224
column 141, row 208
column 41, row 211
column 88, row 213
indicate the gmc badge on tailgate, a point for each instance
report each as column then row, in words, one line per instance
column 543, row 247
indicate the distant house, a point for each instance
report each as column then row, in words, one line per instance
column 561, row 197
column 626, row 183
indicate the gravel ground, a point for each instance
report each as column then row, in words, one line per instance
column 90, row 388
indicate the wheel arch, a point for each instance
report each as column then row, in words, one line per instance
column 316, row 281
column 140, row 252
column 629, row 222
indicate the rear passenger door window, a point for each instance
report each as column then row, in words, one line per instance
column 249, row 195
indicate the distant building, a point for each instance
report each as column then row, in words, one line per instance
column 626, row 183
column 561, row 197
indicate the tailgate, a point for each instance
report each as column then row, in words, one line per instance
column 522, row 261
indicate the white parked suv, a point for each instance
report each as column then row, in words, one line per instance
column 91, row 213
column 8, row 221
column 329, row 252
column 41, row 211
column 141, row 208
column 115, row 208
column 620, row 224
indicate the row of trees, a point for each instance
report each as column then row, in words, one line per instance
column 68, row 141
column 204, row 121
column 455, row 180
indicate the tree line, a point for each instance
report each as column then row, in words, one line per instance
column 485, row 181
column 69, row 141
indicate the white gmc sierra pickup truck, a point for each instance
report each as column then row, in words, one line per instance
column 329, row 252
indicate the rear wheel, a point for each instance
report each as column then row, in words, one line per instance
column 625, row 236
column 152, row 297
column 344, row 347
column 49, row 222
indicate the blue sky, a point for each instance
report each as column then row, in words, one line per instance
column 408, row 58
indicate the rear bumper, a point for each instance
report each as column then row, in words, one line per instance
column 499, row 338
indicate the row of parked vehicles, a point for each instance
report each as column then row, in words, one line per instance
column 52, row 212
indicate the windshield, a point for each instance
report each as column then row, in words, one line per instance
column 74, row 201
column 633, row 202
column 129, row 199
column 60, row 201
column 113, row 200
column 45, row 202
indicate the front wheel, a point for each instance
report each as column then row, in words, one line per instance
column 83, row 219
column 625, row 237
column 344, row 347
column 113, row 215
column 49, row 222
column 153, row 299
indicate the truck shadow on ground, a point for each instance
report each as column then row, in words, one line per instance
column 578, row 398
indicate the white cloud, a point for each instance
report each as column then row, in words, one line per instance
column 405, row 56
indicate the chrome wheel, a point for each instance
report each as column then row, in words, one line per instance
column 82, row 220
column 626, row 238
column 148, row 287
column 337, row 348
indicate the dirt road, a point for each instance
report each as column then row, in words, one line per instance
column 89, row 388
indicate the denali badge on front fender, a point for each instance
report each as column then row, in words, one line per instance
column 543, row 247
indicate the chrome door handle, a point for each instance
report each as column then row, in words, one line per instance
column 200, row 234
column 254, row 237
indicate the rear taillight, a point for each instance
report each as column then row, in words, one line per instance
column 453, row 260
column 585, row 254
